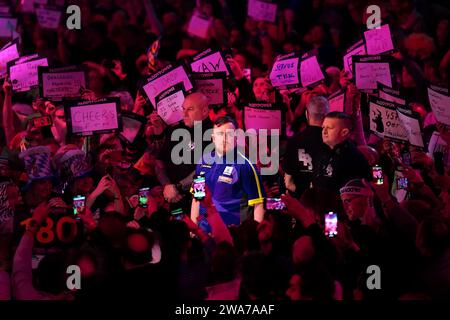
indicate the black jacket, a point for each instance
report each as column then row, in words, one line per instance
column 339, row 165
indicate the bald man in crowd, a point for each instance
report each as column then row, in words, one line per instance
column 176, row 177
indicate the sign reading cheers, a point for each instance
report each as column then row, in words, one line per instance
column 212, row 86
column 169, row 104
column 209, row 61
column 440, row 103
column 85, row 118
column 24, row 73
column 165, row 78
column 58, row 83
column 369, row 70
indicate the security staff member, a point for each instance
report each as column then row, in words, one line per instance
column 343, row 161
column 234, row 185
column 305, row 149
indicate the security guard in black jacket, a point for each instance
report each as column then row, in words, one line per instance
column 305, row 149
column 342, row 161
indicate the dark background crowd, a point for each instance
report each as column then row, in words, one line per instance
column 127, row 251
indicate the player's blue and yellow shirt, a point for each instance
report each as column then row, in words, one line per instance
column 231, row 184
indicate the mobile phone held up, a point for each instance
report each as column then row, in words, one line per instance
column 377, row 174
column 79, row 203
column 331, row 224
column 40, row 122
column 402, row 183
column 198, row 187
column 177, row 214
column 143, row 197
column 274, row 204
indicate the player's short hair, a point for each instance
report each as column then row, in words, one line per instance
column 224, row 120
column 345, row 118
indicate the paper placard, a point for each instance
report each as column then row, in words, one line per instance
column 440, row 104
column 169, row 104
column 212, row 86
column 25, row 75
column 411, row 125
column 337, row 101
column 437, row 144
column 369, row 70
column 199, row 25
column 379, row 41
column 132, row 125
column 8, row 27
column 285, row 73
column 58, row 83
column 356, row 49
column 384, row 121
column 310, row 72
column 390, row 94
column 48, row 16
column 87, row 117
column 7, row 54
column 165, row 78
column 262, row 10
column 209, row 61
column 262, row 118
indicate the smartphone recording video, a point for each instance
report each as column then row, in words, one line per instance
column 198, row 187
column 331, row 224
column 402, row 183
column 274, row 204
column 377, row 174
column 143, row 197
column 177, row 214
column 79, row 202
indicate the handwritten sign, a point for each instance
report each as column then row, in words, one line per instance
column 371, row 69
column 310, row 72
column 262, row 118
column 411, row 124
column 58, row 83
column 209, row 61
column 132, row 125
column 437, row 144
column 169, row 104
column 384, row 120
column 356, row 49
column 212, row 86
column 25, row 75
column 440, row 103
column 199, row 25
column 48, row 16
column 8, row 53
column 165, row 78
column 337, row 101
column 87, row 117
column 389, row 94
column 379, row 41
column 285, row 73
column 262, row 10
column 8, row 27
